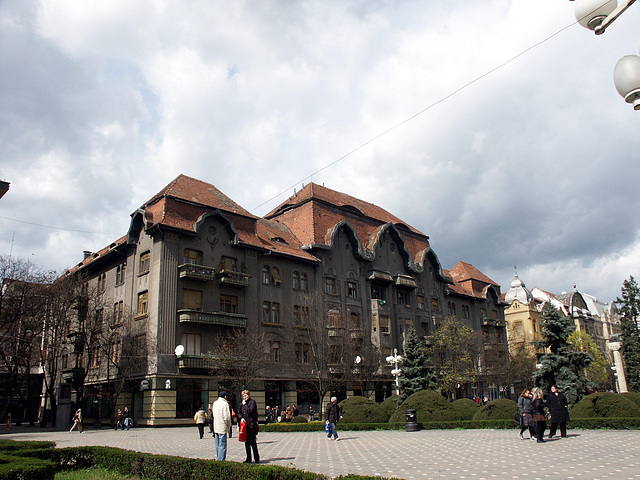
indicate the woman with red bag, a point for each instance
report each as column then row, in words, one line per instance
column 248, row 421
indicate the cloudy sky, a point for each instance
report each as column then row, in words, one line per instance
column 493, row 126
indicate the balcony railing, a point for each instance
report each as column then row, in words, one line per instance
column 234, row 279
column 197, row 272
column 212, row 318
column 357, row 333
column 196, row 361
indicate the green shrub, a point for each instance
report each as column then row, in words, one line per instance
column 429, row 406
column 20, row 468
column 633, row 396
column 299, row 419
column 605, row 405
column 361, row 410
column 12, row 445
column 390, row 405
column 498, row 409
column 465, row 408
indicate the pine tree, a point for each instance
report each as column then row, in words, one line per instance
column 629, row 306
column 560, row 365
column 417, row 374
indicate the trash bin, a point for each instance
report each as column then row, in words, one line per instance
column 412, row 424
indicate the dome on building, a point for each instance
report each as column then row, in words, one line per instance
column 518, row 291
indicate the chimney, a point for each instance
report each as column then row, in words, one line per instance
column 86, row 254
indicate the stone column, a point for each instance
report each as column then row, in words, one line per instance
column 617, row 358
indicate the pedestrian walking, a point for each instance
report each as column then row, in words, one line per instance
column 77, row 421
column 538, row 413
column 525, row 406
column 333, row 415
column 119, row 418
column 201, row 419
column 221, row 421
column 127, row 418
column 248, row 412
column 311, row 414
column 559, row 410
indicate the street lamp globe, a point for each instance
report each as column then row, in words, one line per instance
column 626, row 77
column 591, row 13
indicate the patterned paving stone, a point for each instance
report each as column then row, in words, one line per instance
column 429, row 454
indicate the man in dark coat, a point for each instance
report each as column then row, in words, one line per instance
column 557, row 404
column 332, row 415
column 248, row 412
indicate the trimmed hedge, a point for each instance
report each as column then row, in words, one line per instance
column 498, row 409
column 605, row 405
column 299, row 419
column 465, row 408
column 633, row 396
column 390, row 405
column 429, row 406
column 362, row 410
column 13, row 467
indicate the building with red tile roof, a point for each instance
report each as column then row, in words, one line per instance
column 197, row 275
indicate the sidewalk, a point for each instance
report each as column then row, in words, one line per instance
column 428, row 454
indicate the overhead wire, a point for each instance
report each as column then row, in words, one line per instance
column 437, row 102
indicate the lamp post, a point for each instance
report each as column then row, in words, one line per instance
column 396, row 372
column 597, row 15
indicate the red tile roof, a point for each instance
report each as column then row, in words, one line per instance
column 471, row 279
column 313, row 213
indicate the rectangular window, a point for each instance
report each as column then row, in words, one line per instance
column 191, row 342
column 192, row 299
column 330, row 286
column 116, row 350
column 334, row 318
column 355, row 320
column 229, row 264
column 266, row 312
column 228, row 304
column 384, row 324
column 420, row 302
column 275, row 312
column 275, row 351
column 300, row 315
column 121, row 273
column 193, row 257
column 483, row 313
column 377, row 292
column 143, row 303
column 145, row 261
column 403, row 297
column 95, row 357
column 118, row 312
column 494, row 314
column 435, row 304
column 352, row 290
column 304, row 283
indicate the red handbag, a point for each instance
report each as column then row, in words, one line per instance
column 242, row 431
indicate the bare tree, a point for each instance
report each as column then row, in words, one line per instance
column 239, row 356
column 23, row 299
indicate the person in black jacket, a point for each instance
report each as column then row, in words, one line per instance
column 538, row 413
column 332, row 415
column 248, row 412
column 559, row 410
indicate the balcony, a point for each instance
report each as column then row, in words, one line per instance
column 73, row 375
column 335, row 331
column 233, row 279
column 196, row 361
column 212, row 318
column 357, row 333
column 197, row 272
column 493, row 322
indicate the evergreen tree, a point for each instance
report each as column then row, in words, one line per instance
column 560, row 365
column 417, row 374
column 629, row 306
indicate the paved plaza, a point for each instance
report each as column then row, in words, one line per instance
column 428, row 454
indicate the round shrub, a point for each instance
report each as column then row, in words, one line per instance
column 633, row 396
column 465, row 408
column 361, row 410
column 605, row 405
column 390, row 405
column 498, row 409
column 430, row 406
column 299, row 419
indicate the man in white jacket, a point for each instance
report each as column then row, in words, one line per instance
column 221, row 424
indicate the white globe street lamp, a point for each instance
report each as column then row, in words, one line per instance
column 597, row 15
column 626, row 77
column 396, row 372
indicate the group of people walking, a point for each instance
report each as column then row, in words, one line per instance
column 534, row 408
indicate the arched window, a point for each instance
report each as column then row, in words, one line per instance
column 295, row 281
column 304, row 283
column 266, row 275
